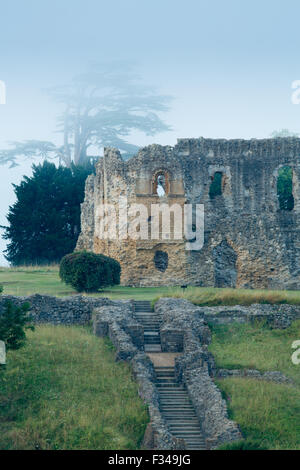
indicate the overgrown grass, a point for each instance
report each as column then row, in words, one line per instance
column 268, row 413
column 45, row 280
column 246, row 346
column 212, row 296
column 64, row 390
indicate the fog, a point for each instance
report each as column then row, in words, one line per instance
column 229, row 66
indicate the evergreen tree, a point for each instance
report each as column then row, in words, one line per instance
column 44, row 222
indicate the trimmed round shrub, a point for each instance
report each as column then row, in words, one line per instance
column 88, row 272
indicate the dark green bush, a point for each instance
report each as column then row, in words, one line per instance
column 88, row 272
column 13, row 323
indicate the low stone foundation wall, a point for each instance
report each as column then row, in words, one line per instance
column 71, row 310
column 276, row 316
column 268, row 376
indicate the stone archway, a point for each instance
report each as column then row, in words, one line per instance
column 161, row 179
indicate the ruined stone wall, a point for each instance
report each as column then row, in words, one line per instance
column 70, row 310
column 249, row 241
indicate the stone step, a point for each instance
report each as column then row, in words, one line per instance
column 146, row 316
column 174, row 396
column 174, row 393
column 170, row 411
column 150, row 315
column 168, row 386
column 179, row 412
column 172, row 388
column 148, row 322
column 152, row 348
column 174, row 402
column 194, row 439
column 185, row 421
column 150, row 327
column 165, row 371
column 184, row 415
column 142, row 306
column 174, row 407
column 143, row 309
column 147, row 312
column 184, row 427
column 195, row 445
column 166, row 377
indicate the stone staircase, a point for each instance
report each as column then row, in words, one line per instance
column 177, row 409
column 151, row 322
column 175, row 404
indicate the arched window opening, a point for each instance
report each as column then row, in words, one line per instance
column 161, row 183
column 216, row 185
column 285, row 188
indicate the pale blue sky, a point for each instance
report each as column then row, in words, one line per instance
column 229, row 64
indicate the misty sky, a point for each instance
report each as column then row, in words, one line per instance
column 229, row 64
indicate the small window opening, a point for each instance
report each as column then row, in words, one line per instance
column 216, row 185
column 161, row 260
column 285, row 188
column 161, row 184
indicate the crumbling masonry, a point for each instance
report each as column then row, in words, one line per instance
column 249, row 241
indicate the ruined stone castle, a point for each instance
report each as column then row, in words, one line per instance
column 249, row 240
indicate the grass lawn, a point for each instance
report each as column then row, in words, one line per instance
column 45, row 280
column 64, row 390
column 268, row 413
